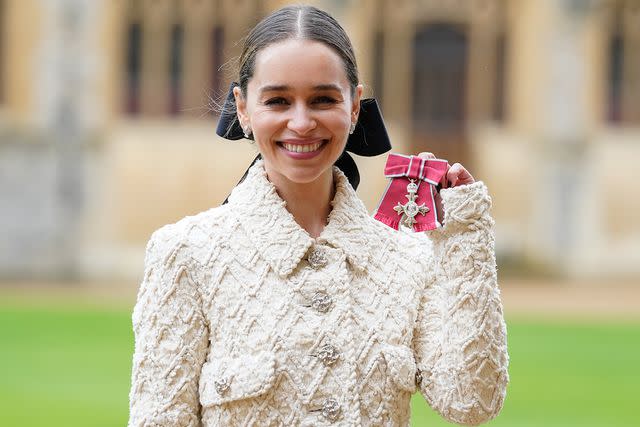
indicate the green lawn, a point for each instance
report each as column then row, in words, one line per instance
column 70, row 366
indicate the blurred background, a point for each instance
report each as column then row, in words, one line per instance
column 107, row 132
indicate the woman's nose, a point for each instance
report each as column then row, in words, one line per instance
column 301, row 121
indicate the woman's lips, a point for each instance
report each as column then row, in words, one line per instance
column 302, row 149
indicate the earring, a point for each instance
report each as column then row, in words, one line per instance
column 352, row 128
column 247, row 132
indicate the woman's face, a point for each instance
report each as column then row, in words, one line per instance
column 299, row 108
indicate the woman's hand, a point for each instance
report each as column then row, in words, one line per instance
column 456, row 175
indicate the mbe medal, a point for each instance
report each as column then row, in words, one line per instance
column 414, row 179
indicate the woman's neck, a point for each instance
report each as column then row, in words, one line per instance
column 310, row 203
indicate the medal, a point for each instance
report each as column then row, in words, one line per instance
column 413, row 178
column 410, row 209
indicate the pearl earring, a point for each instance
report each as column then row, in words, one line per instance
column 352, row 128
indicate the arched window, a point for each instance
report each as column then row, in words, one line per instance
column 2, row 60
column 623, row 64
column 175, row 69
column 440, row 62
column 378, row 41
column 133, row 57
column 615, row 63
column 500, row 78
column 378, row 64
column 134, row 66
column 440, row 95
column 217, row 59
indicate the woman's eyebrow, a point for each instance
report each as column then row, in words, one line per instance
column 274, row 88
column 284, row 88
column 327, row 86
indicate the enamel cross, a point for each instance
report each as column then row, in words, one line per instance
column 411, row 208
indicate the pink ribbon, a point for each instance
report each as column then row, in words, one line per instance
column 415, row 207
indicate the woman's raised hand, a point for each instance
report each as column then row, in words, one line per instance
column 456, row 175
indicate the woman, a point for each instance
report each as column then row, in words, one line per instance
column 290, row 305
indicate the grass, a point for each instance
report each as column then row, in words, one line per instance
column 566, row 374
column 69, row 365
column 64, row 367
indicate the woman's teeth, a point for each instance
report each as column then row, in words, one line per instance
column 301, row 148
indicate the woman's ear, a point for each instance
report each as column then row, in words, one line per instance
column 355, row 106
column 241, row 108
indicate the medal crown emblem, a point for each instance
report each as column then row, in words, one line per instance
column 410, row 209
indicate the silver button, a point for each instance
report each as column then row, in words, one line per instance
column 318, row 257
column 331, row 409
column 321, row 302
column 328, row 354
column 221, row 385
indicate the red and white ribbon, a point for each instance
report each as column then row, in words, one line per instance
column 402, row 170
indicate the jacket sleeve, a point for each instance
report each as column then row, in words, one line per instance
column 171, row 339
column 460, row 342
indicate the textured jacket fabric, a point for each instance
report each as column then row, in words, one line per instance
column 243, row 319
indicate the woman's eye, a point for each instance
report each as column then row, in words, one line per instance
column 276, row 101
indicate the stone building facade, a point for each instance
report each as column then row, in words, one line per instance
column 107, row 121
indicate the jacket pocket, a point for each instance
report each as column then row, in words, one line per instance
column 401, row 366
column 228, row 379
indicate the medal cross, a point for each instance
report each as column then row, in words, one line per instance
column 410, row 209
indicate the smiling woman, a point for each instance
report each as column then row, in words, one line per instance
column 299, row 106
column 290, row 305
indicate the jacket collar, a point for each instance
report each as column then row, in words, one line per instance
column 279, row 239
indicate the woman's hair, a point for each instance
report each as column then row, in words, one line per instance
column 297, row 22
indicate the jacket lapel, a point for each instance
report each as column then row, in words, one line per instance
column 263, row 215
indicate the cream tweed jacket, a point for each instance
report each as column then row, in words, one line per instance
column 243, row 319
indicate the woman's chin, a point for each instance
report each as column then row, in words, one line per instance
column 303, row 176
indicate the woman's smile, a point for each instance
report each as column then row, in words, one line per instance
column 302, row 149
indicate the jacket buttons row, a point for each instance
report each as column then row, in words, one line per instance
column 328, row 354
column 318, row 257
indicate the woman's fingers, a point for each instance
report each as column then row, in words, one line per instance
column 458, row 175
column 455, row 175
column 452, row 174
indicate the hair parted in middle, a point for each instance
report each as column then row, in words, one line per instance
column 297, row 22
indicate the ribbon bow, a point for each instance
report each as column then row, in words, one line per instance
column 414, row 178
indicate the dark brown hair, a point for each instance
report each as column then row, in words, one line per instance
column 297, row 22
